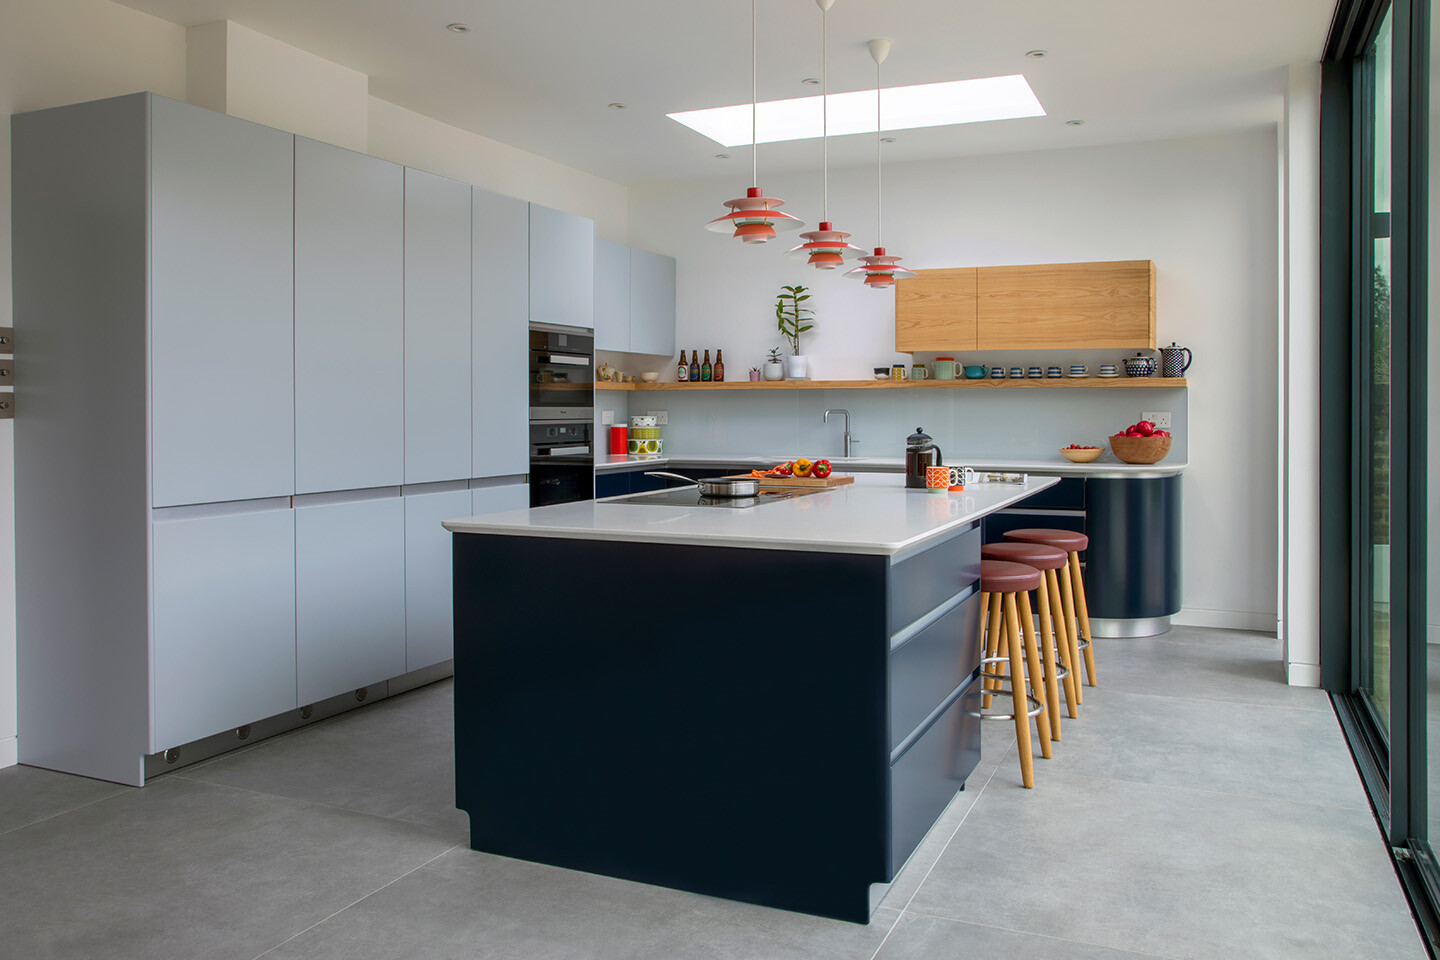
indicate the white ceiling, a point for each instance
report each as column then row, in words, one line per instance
column 538, row 74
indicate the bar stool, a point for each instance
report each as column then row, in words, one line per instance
column 1072, row 588
column 1001, row 582
column 1052, row 636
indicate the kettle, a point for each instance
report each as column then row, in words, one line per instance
column 920, row 452
column 1174, row 360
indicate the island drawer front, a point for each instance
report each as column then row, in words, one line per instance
column 926, row 777
column 927, row 668
column 920, row 583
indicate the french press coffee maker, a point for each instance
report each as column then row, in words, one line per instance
column 920, row 452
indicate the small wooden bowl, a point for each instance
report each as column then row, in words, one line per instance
column 1140, row 449
column 1082, row 456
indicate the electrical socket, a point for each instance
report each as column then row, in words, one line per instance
column 662, row 417
column 1161, row 419
column 607, row 418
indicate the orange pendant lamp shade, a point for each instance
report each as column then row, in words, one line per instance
column 754, row 218
column 880, row 271
column 826, row 248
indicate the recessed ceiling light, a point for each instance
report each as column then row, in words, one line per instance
column 458, row 27
column 887, row 139
column 618, row 106
column 811, row 81
column 923, row 105
column 722, row 156
column 1074, row 123
column 1037, row 54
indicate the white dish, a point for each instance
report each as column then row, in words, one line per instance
column 1082, row 376
column 1107, row 376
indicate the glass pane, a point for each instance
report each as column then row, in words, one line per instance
column 1375, row 642
column 1432, row 520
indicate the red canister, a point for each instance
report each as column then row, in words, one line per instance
column 618, row 438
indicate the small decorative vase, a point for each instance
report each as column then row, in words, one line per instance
column 774, row 371
column 797, row 367
column 754, row 376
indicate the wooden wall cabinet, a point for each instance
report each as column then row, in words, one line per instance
column 936, row 311
column 1103, row 305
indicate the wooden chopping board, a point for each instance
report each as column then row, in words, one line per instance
column 790, row 483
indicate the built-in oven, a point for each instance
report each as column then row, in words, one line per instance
column 562, row 414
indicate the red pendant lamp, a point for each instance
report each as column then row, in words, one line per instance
column 754, row 218
column 879, row 271
column 825, row 248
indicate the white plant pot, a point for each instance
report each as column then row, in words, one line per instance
column 774, row 371
column 797, row 367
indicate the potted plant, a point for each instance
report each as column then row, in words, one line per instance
column 794, row 318
column 754, row 374
column 774, row 369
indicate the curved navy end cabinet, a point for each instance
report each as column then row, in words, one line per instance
column 1132, row 569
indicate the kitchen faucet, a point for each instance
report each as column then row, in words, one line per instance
column 848, row 440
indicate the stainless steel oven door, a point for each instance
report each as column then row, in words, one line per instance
column 562, row 374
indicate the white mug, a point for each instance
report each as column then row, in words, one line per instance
column 959, row 476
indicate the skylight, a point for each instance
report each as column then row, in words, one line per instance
column 903, row 108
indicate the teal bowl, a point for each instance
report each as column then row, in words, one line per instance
column 974, row 373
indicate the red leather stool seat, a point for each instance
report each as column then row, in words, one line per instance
column 1000, row 576
column 1035, row 555
column 1067, row 540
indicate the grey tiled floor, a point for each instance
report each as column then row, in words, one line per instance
column 1198, row 808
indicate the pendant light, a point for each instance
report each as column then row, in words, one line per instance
column 880, row 270
column 826, row 248
column 754, row 218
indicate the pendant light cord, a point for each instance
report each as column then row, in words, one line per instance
column 825, row 109
column 879, row 231
column 754, row 102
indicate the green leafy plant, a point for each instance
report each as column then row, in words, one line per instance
column 792, row 317
column 774, row 355
column 754, row 369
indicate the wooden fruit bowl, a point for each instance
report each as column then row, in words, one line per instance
column 1083, row 455
column 1140, row 449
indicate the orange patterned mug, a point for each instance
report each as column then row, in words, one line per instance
column 937, row 478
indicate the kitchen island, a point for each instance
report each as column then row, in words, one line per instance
column 774, row 705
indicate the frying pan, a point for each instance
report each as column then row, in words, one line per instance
column 718, row 486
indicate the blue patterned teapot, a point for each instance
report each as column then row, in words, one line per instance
column 1139, row 366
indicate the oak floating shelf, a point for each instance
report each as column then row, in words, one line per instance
column 1054, row 383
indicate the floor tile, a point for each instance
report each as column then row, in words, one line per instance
column 1202, row 664
column 907, row 881
column 1231, row 747
column 28, row 794
column 181, row 870
column 918, row 937
column 1173, row 872
column 469, row 904
column 393, row 759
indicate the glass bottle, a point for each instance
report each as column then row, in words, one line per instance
column 694, row 366
column 682, row 372
column 706, row 371
column 719, row 365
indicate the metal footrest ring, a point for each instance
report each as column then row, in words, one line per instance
column 1035, row 706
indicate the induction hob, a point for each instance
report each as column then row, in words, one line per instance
column 690, row 497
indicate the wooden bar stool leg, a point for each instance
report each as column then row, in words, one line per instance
column 1062, row 640
column 992, row 647
column 1037, row 684
column 1082, row 612
column 1051, row 664
column 1067, row 596
column 1017, row 690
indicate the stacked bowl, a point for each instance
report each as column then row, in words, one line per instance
column 645, row 436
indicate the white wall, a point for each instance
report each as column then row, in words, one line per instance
column 1203, row 209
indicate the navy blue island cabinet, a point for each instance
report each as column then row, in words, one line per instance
column 778, row 726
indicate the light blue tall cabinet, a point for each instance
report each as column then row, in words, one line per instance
column 562, row 265
column 612, row 296
column 634, row 292
column 502, row 285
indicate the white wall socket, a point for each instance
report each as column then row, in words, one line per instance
column 1161, row 419
column 662, row 417
column 607, row 417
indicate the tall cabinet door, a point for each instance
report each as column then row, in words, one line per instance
column 221, row 307
column 562, row 268
column 437, row 328
column 500, row 335
column 652, row 303
column 349, row 595
column 223, row 633
column 429, row 600
column 349, row 319
column 612, row 296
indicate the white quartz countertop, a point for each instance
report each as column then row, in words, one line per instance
column 874, row 515
column 1107, row 467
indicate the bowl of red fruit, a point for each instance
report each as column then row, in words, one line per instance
column 1080, row 453
column 1141, row 443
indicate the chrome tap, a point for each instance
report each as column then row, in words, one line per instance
column 848, row 440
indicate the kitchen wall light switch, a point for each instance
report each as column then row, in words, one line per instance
column 662, row 417
column 607, row 418
column 1161, row 419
